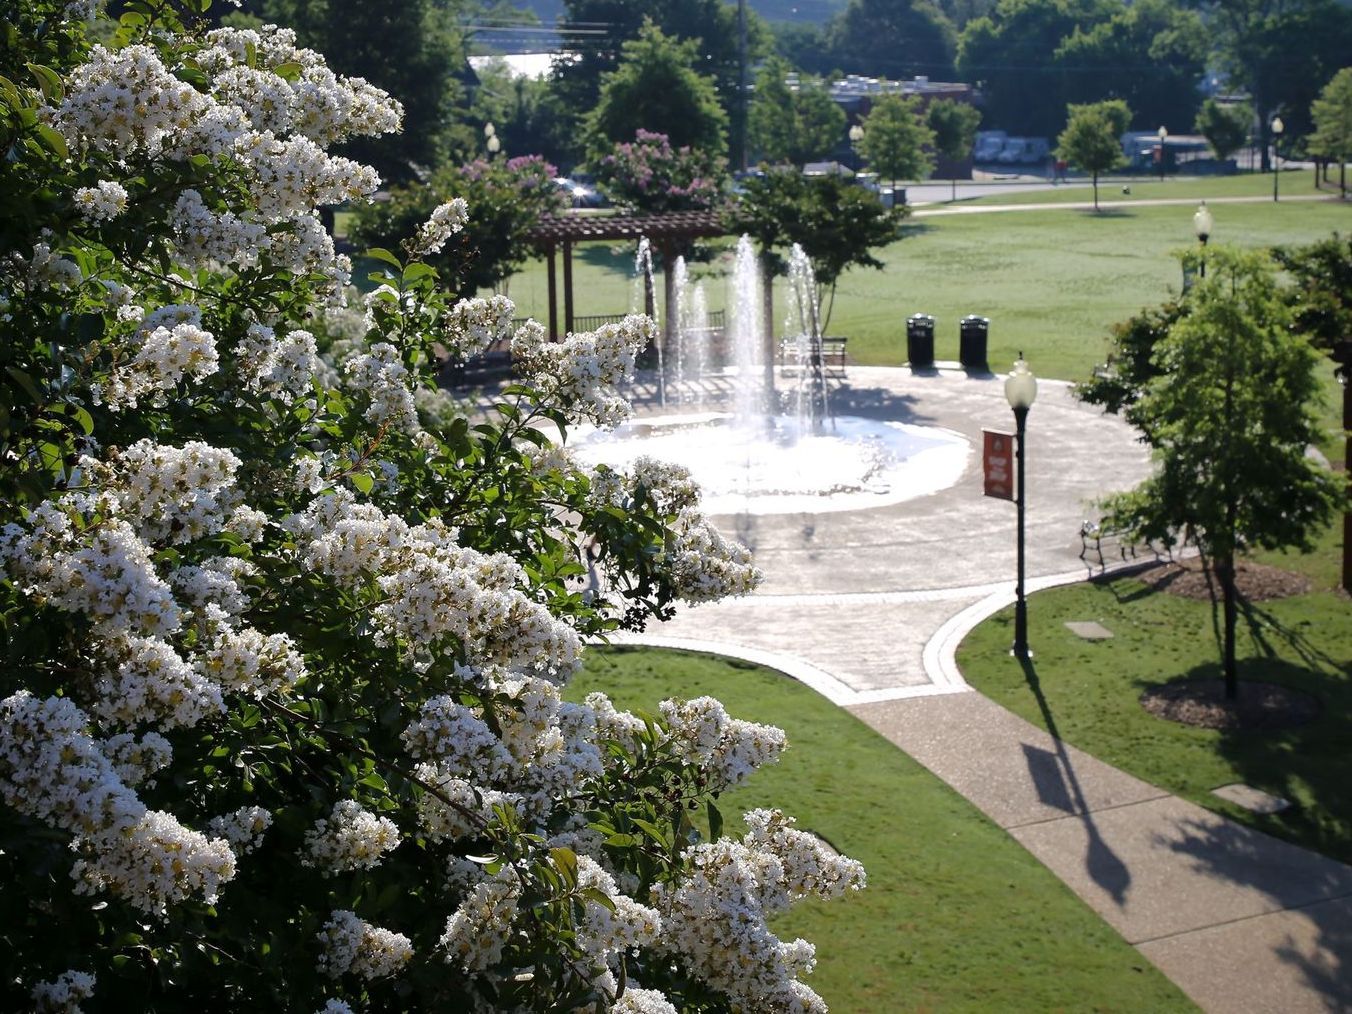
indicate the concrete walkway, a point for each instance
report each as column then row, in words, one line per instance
column 868, row 606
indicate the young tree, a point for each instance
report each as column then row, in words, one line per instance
column 656, row 88
column 835, row 222
column 1092, row 136
column 1225, row 126
column 1228, row 414
column 896, row 138
column 286, row 627
column 648, row 174
column 1332, row 116
column 794, row 125
column 954, row 127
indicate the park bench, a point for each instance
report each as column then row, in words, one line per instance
column 832, row 350
column 1093, row 536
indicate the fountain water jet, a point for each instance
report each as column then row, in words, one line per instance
column 758, row 461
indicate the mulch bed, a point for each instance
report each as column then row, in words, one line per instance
column 1202, row 703
column 1255, row 582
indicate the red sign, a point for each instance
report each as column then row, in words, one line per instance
column 997, row 464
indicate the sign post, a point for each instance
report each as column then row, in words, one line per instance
column 997, row 464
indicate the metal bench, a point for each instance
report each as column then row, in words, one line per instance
column 830, row 348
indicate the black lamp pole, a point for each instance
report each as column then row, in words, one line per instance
column 1020, row 598
column 1020, row 392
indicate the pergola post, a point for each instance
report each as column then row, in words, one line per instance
column 568, row 286
column 552, row 290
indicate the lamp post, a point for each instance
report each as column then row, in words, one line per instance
column 1164, row 136
column 1020, row 392
column 492, row 143
column 856, row 135
column 1202, row 223
column 1277, row 128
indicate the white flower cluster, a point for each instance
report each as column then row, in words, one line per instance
column 126, row 102
column 174, row 494
column 49, row 270
column 458, row 741
column 603, row 932
column 63, row 995
column 457, row 809
column 136, row 761
column 152, row 683
column 668, row 487
column 472, row 325
column 727, row 749
column 247, row 661
column 154, row 864
column 102, row 202
column 53, row 770
column 444, row 222
column 583, row 372
column 243, row 829
column 207, row 238
column 353, row 945
column 281, row 368
column 642, row 1001
column 704, row 564
column 434, row 589
column 216, row 582
column 479, row 929
column 381, row 376
column 716, row 917
column 352, row 838
column 320, row 105
column 106, row 573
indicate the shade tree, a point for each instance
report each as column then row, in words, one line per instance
column 1091, row 139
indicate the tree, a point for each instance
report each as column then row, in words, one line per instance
column 1225, row 126
column 1332, row 116
column 1228, row 414
column 835, row 222
column 1150, row 54
column 896, row 138
column 1091, row 139
column 792, row 124
column 1011, row 55
column 711, row 25
column 656, row 88
column 1321, row 304
column 286, row 626
column 505, row 199
column 892, row 38
column 954, row 127
column 649, row 175
column 412, row 49
column 1281, row 51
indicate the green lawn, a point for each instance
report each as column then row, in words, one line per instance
column 956, row 916
column 1052, row 282
column 1088, row 693
column 1293, row 183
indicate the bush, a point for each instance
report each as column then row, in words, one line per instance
column 280, row 725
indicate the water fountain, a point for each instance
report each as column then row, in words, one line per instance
column 758, row 459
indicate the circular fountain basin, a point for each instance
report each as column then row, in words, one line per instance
column 774, row 466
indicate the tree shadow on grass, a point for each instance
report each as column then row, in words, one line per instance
column 612, row 258
column 1058, row 785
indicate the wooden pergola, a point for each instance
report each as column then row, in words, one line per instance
column 668, row 232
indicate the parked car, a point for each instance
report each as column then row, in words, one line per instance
column 988, row 145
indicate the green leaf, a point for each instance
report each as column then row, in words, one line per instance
column 565, row 861
column 289, row 71
column 600, row 897
column 362, row 481
column 715, row 820
column 378, row 253
column 49, row 81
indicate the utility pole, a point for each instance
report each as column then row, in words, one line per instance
column 742, row 84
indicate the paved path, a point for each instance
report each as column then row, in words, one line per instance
column 868, row 607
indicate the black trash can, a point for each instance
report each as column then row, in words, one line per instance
column 973, row 332
column 920, row 341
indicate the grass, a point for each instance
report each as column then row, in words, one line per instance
column 1088, row 693
column 1052, row 282
column 1293, row 183
column 956, row 917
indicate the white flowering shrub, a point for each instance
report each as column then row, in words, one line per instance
column 281, row 722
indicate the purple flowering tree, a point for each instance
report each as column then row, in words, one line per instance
column 648, row 174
